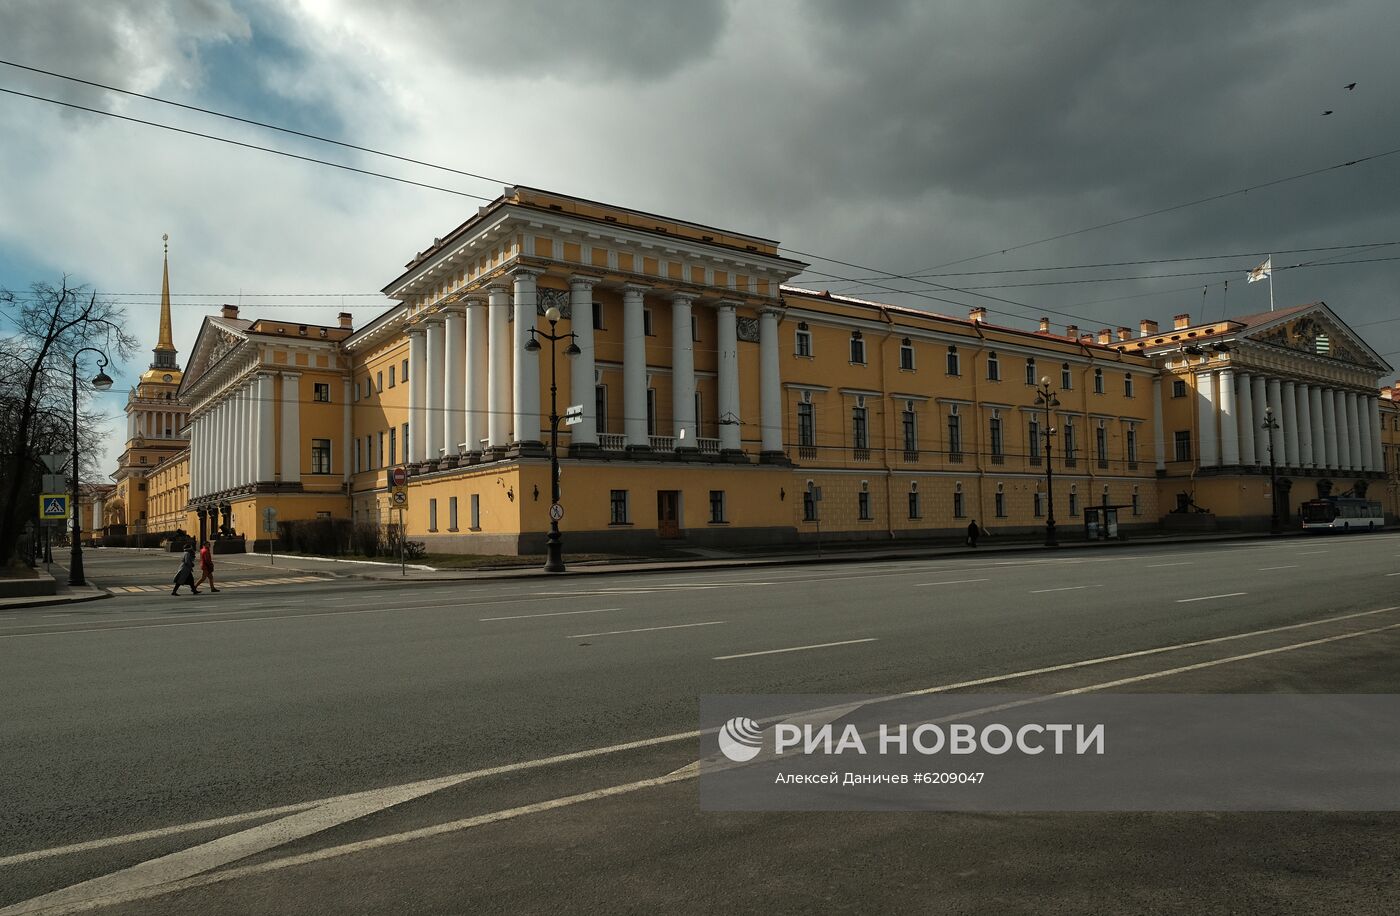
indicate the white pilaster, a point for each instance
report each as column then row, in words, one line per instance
column 347, row 431
column 291, row 427
column 1328, row 398
column 1261, row 401
column 474, row 427
column 1290, row 425
column 1305, row 426
column 581, row 372
column 434, row 386
column 525, row 380
column 1159, row 435
column 1205, row 419
column 413, row 450
column 1353, row 431
column 729, row 439
column 97, row 507
column 1229, row 420
column 498, row 381
column 267, row 436
column 455, row 355
column 634, row 367
column 1244, row 416
column 769, row 383
column 1377, row 441
column 683, row 373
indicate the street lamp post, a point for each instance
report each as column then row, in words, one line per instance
column 1271, row 424
column 554, row 548
column 1045, row 398
column 101, row 382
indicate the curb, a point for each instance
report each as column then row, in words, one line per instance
column 56, row 600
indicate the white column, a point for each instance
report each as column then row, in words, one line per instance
column 498, row 379
column 769, row 383
column 1244, row 416
column 434, row 386
column 291, row 427
column 1319, row 429
column 581, row 373
column 1275, row 404
column 634, row 367
column 1261, row 401
column 1205, row 419
column 1377, row 442
column 728, row 408
column 413, row 450
column 1159, row 435
column 1290, row 425
column 1353, row 431
column 221, row 457
column 1329, row 426
column 1363, row 433
column 1229, row 419
column 525, row 380
column 455, row 356
column 267, row 435
column 347, row 431
column 474, row 427
column 682, row 373
column 241, row 404
column 1344, row 454
column 1305, row 426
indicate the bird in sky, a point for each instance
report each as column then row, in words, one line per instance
column 1350, row 86
column 1327, row 112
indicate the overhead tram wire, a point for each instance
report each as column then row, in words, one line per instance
column 1031, row 309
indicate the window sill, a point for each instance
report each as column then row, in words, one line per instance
column 619, row 524
column 854, row 363
column 713, row 522
column 803, row 356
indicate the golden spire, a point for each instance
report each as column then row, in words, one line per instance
column 167, row 340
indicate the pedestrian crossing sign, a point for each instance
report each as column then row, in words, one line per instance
column 53, row 505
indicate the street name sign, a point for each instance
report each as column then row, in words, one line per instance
column 573, row 415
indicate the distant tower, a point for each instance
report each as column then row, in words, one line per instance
column 165, row 346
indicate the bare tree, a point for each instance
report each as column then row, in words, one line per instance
column 45, row 328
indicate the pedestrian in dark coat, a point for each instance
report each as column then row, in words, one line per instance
column 206, row 567
column 186, row 574
column 972, row 532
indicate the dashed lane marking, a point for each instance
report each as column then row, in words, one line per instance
column 820, row 645
column 1211, row 597
column 674, row 626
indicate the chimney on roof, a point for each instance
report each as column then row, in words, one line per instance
column 229, row 311
column 1045, row 325
column 346, row 320
column 1072, row 330
column 1105, row 336
column 1125, row 333
column 978, row 315
column 1182, row 321
column 1147, row 327
column 1086, row 338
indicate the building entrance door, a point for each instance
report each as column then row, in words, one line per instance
column 668, row 513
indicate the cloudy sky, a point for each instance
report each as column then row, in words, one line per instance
column 900, row 137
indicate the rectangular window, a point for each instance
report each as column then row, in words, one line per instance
column 699, row 417
column 694, row 328
column 321, row 391
column 958, row 506
column 860, row 434
column 863, row 504
column 809, row 505
column 1098, row 381
column 451, row 513
column 651, row 411
column 806, row 426
column 432, row 515
column 857, row 349
column 391, row 376
column 1183, row 444
column 998, row 444
column 600, row 406
column 619, row 507
column 393, row 447
column 1033, row 440
column 381, row 449
column 954, row 363
column 1066, row 378
column 647, row 329
column 357, row 456
column 1039, row 504
column 369, row 453
column 906, row 356
column 476, row 511
column 717, row 507
column 357, row 389
column 378, row 382
column 1030, row 372
column 403, row 437
column 911, row 431
column 1137, row 503
column 1179, row 388
column 598, row 316
column 915, row 509
column 1101, row 445
column 1073, row 503
column 1069, row 442
column 955, row 437
column 320, row 456
column 1127, row 384
column 993, row 368
column 1132, row 444
column 802, row 345
column 999, row 504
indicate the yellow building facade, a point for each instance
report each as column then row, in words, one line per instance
column 711, row 403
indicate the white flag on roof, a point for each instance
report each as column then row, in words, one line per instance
column 1263, row 270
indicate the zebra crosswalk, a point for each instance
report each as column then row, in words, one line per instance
column 238, row 583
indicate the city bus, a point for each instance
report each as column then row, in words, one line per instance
column 1342, row 513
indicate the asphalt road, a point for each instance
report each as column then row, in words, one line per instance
column 563, row 710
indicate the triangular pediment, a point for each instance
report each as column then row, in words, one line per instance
column 1317, row 331
column 217, row 337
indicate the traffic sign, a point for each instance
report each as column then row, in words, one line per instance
column 53, row 506
column 400, row 499
column 556, row 512
column 55, row 483
column 398, row 477
column 270, row 520
column 55, row 463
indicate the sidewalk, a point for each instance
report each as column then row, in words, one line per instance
column 66, row 594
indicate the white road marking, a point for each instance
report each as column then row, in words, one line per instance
column 1211, row 597
column 821, row 645
column 949, row 582
column 1393, row 574
column 674, row 626
column 550, row 614
column 1272, row 568
column 1067, row 588
column 173, row 873
column 1163, row 565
